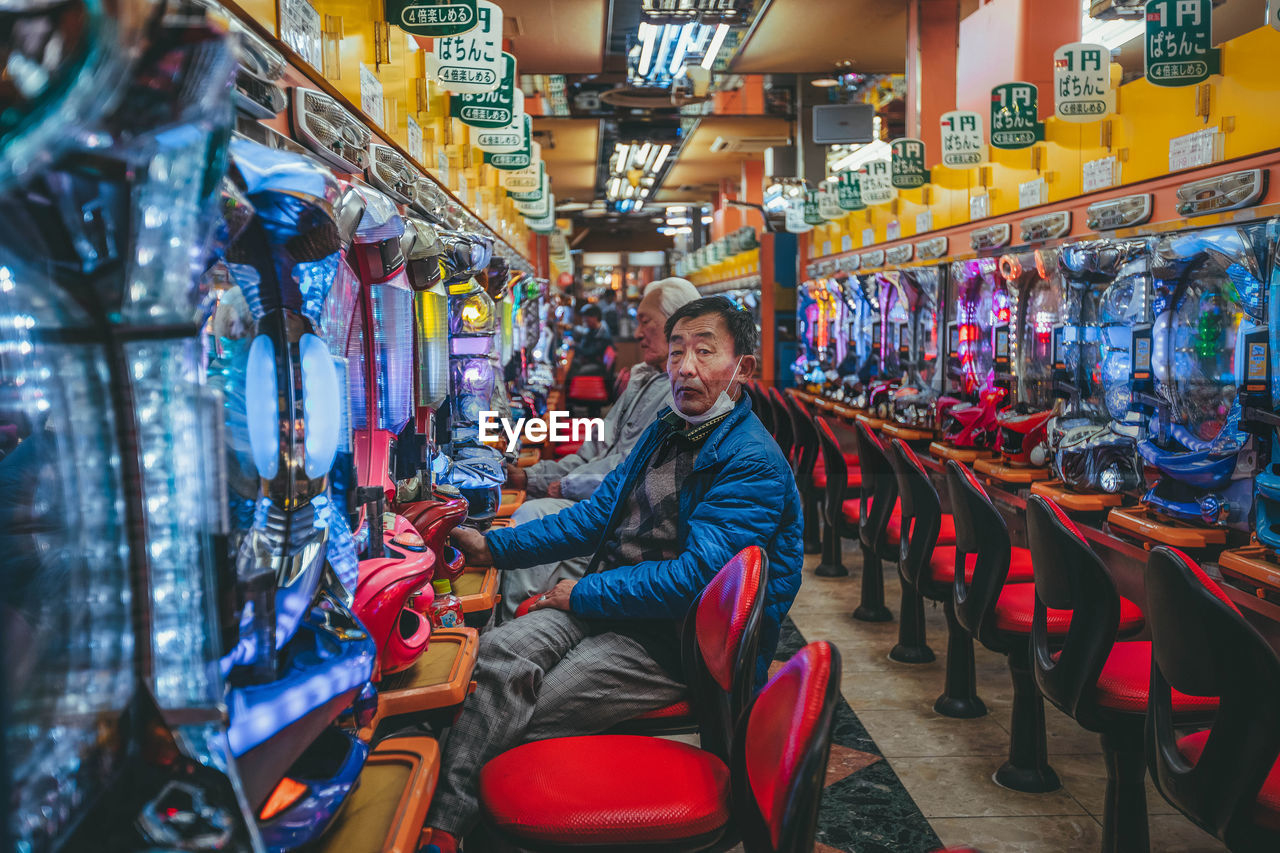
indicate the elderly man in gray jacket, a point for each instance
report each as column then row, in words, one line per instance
column 559, row 483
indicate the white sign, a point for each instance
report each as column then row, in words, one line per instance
column 503, row 140
column 442, row 167
column 963, row 143
column 868, row 236
column 371, row 103
column 1100, row 174
column 547, row 223
column 524, row 180
column 828, row 204
column 924, row 221
column 1195, row 149
column 826, row 247
column 416, row 149
column 472, row 62
column 1032, row 193
column 300, row 29
column 893, row 230
column 1082, row 82
column 877, row 182
column 795, row 216
column 846, row 242
column 979, row 207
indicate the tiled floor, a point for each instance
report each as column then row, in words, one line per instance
column 945, row 765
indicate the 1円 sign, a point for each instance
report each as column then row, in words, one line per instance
column 877, row 182
column 906, row 157
column 522, row 158
column 812, row 212
column 962, row 142
column 1015, row 116
column 1178, row 47
column 1082, row 82
column 472, row 63
column 433, row 19
column 849, row 191
column 488, row 110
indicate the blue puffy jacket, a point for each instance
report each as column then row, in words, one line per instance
column 741, row 492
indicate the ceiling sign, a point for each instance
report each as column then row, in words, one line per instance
column 504, row 140
column 472, row 62
column 545, row 224
column 432, row 18
column 1082, row 82
column 535, row 194
column 849, row 191
column 828, row 203
column 795, row 221
column 521, row 158
column 1178, row 46
column 494, row 109
column 877, row 182
column 1015, row 116
column 962, row 142
column 812, row 214
column 907, row 164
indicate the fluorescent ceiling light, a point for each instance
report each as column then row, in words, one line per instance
column 648, row 34
column 661, row 158
column 1113, row 34
column 877, row 150
column 614, row 186
column 716, row 41
column 682, row 45
column 624, row 154
column 642, row 155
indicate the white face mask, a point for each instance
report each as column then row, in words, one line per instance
column 722, row 406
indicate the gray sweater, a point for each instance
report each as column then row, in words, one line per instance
column 648, row 392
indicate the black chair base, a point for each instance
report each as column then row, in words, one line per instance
column 829, row 570
column 1124, row 815
column 911, row 647
column 1027, row 769
column 872, row 613
column 812, row 536
column 959, row 699
column 871, row 606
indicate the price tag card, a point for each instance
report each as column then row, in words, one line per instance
column 371, row 101
column 1100, row 174
column 300, row 29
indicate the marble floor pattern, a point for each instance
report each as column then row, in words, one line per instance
column 903, row 779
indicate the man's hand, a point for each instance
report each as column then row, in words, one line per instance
column 557, row 598
column 472, row 544
column 553, row 490
column 517, row 478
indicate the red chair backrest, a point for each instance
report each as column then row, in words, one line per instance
column 780, row 755
column 837, row 470
column 721, row 642
column 879, row 492
column 1202, row 645
column 981, row 532
column 782, row 432
column 921, row 511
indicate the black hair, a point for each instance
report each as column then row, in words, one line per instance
column 741, row 325
column 591, row 311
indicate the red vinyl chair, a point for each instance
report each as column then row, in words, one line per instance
column 879, row 518
column 782, row 432
column 1225, row 779
column 1099, row 682
column 998, row 610
column 760, row 404
column 621, row 792
column 806, row 465
column 838, row 482
column 923, row 527
column 720, row 642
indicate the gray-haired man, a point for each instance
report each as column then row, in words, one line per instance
column 560, row 483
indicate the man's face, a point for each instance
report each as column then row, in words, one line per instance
column 701, row 363
column 650, row 334
column 593, row 322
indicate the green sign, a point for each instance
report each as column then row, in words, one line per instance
column 488, row 110
column 1178, row 48
column 849, row 191
column 907, row 164
column 432, row 18
column 812, row 216
column 1015, row 116
column 515, row 160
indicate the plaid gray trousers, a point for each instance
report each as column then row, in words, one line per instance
column 547, row 674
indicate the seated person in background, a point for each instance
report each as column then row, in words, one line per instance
column 576, row 476
column 705, row 481
column 588, row 349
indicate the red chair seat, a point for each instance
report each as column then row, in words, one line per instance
column 820, row 477
column 1126, row 678
column 606, row 790
column 942, row 564
column 853, row 514
column 563, row 449
column 946, row 529
column 1017, row 600
column 850, row 459
column 675, row 711
column 589, row 389
column 1267, row 812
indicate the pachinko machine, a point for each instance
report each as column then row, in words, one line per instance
column 1209, row 303
column 859, row 331
column 905, row 397
column 821, row 347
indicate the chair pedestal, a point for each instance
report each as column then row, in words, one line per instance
column 1027, row 769
column 1124, row 816
column 959, row 698
column 911, row 647
column 832, row 565
column 871, row 607
column 812, row 538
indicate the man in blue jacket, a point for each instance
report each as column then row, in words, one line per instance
column 705, row 481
